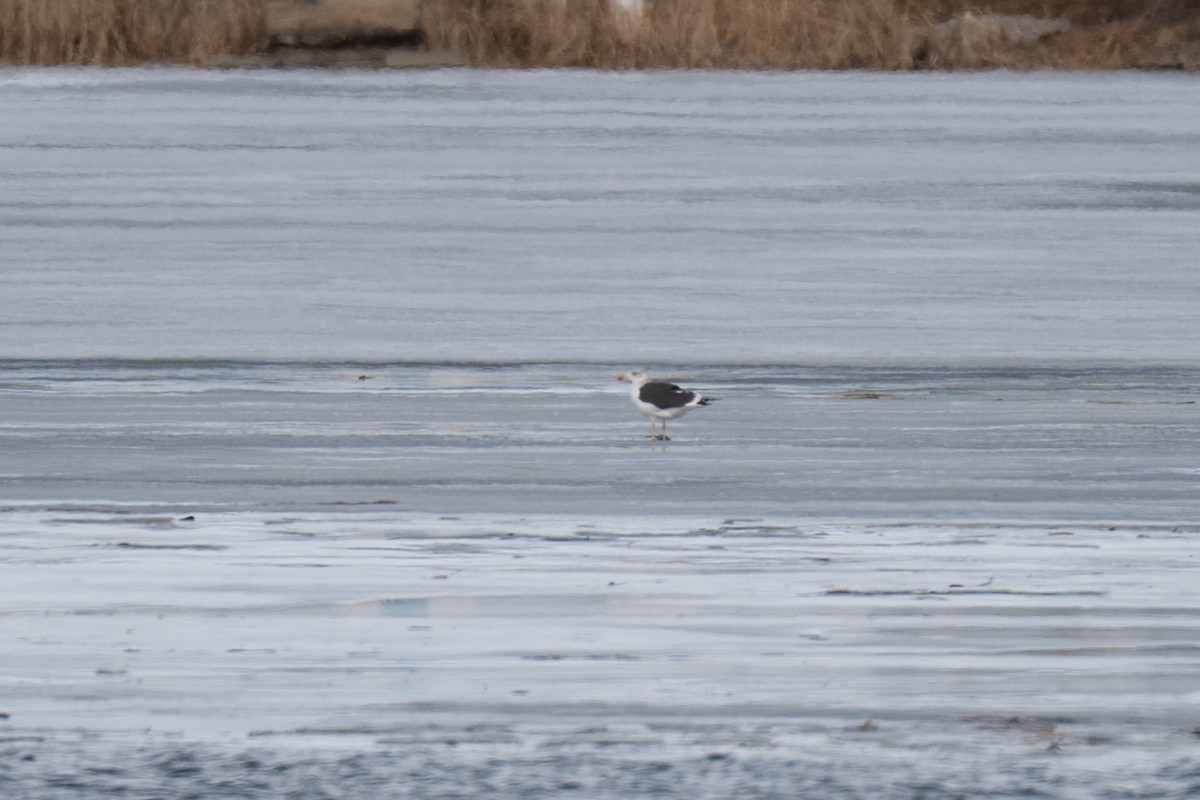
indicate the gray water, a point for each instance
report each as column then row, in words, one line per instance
column 315, row 480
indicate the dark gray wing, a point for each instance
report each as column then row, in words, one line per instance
column 665, row 395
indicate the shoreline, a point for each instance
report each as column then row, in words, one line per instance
column 624, row 35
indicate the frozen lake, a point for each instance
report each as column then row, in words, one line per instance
column 315, row 480
column 572, row 216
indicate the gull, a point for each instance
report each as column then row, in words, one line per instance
column 660, row 400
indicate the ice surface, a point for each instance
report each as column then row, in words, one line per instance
column 1094, row 445
column 315, row 480
column 575, row 216
column 536, row 653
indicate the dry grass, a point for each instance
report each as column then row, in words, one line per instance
column 816, row 34
column 783, row 34
column 117, row 32
column 608, row 34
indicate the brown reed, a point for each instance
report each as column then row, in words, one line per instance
column 784, row 34
column 811, row 34
column 121, row 32
column 611, row 34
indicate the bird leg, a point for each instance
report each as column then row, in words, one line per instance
column 654, row 434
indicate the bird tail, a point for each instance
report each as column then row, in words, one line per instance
column 706, row 400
